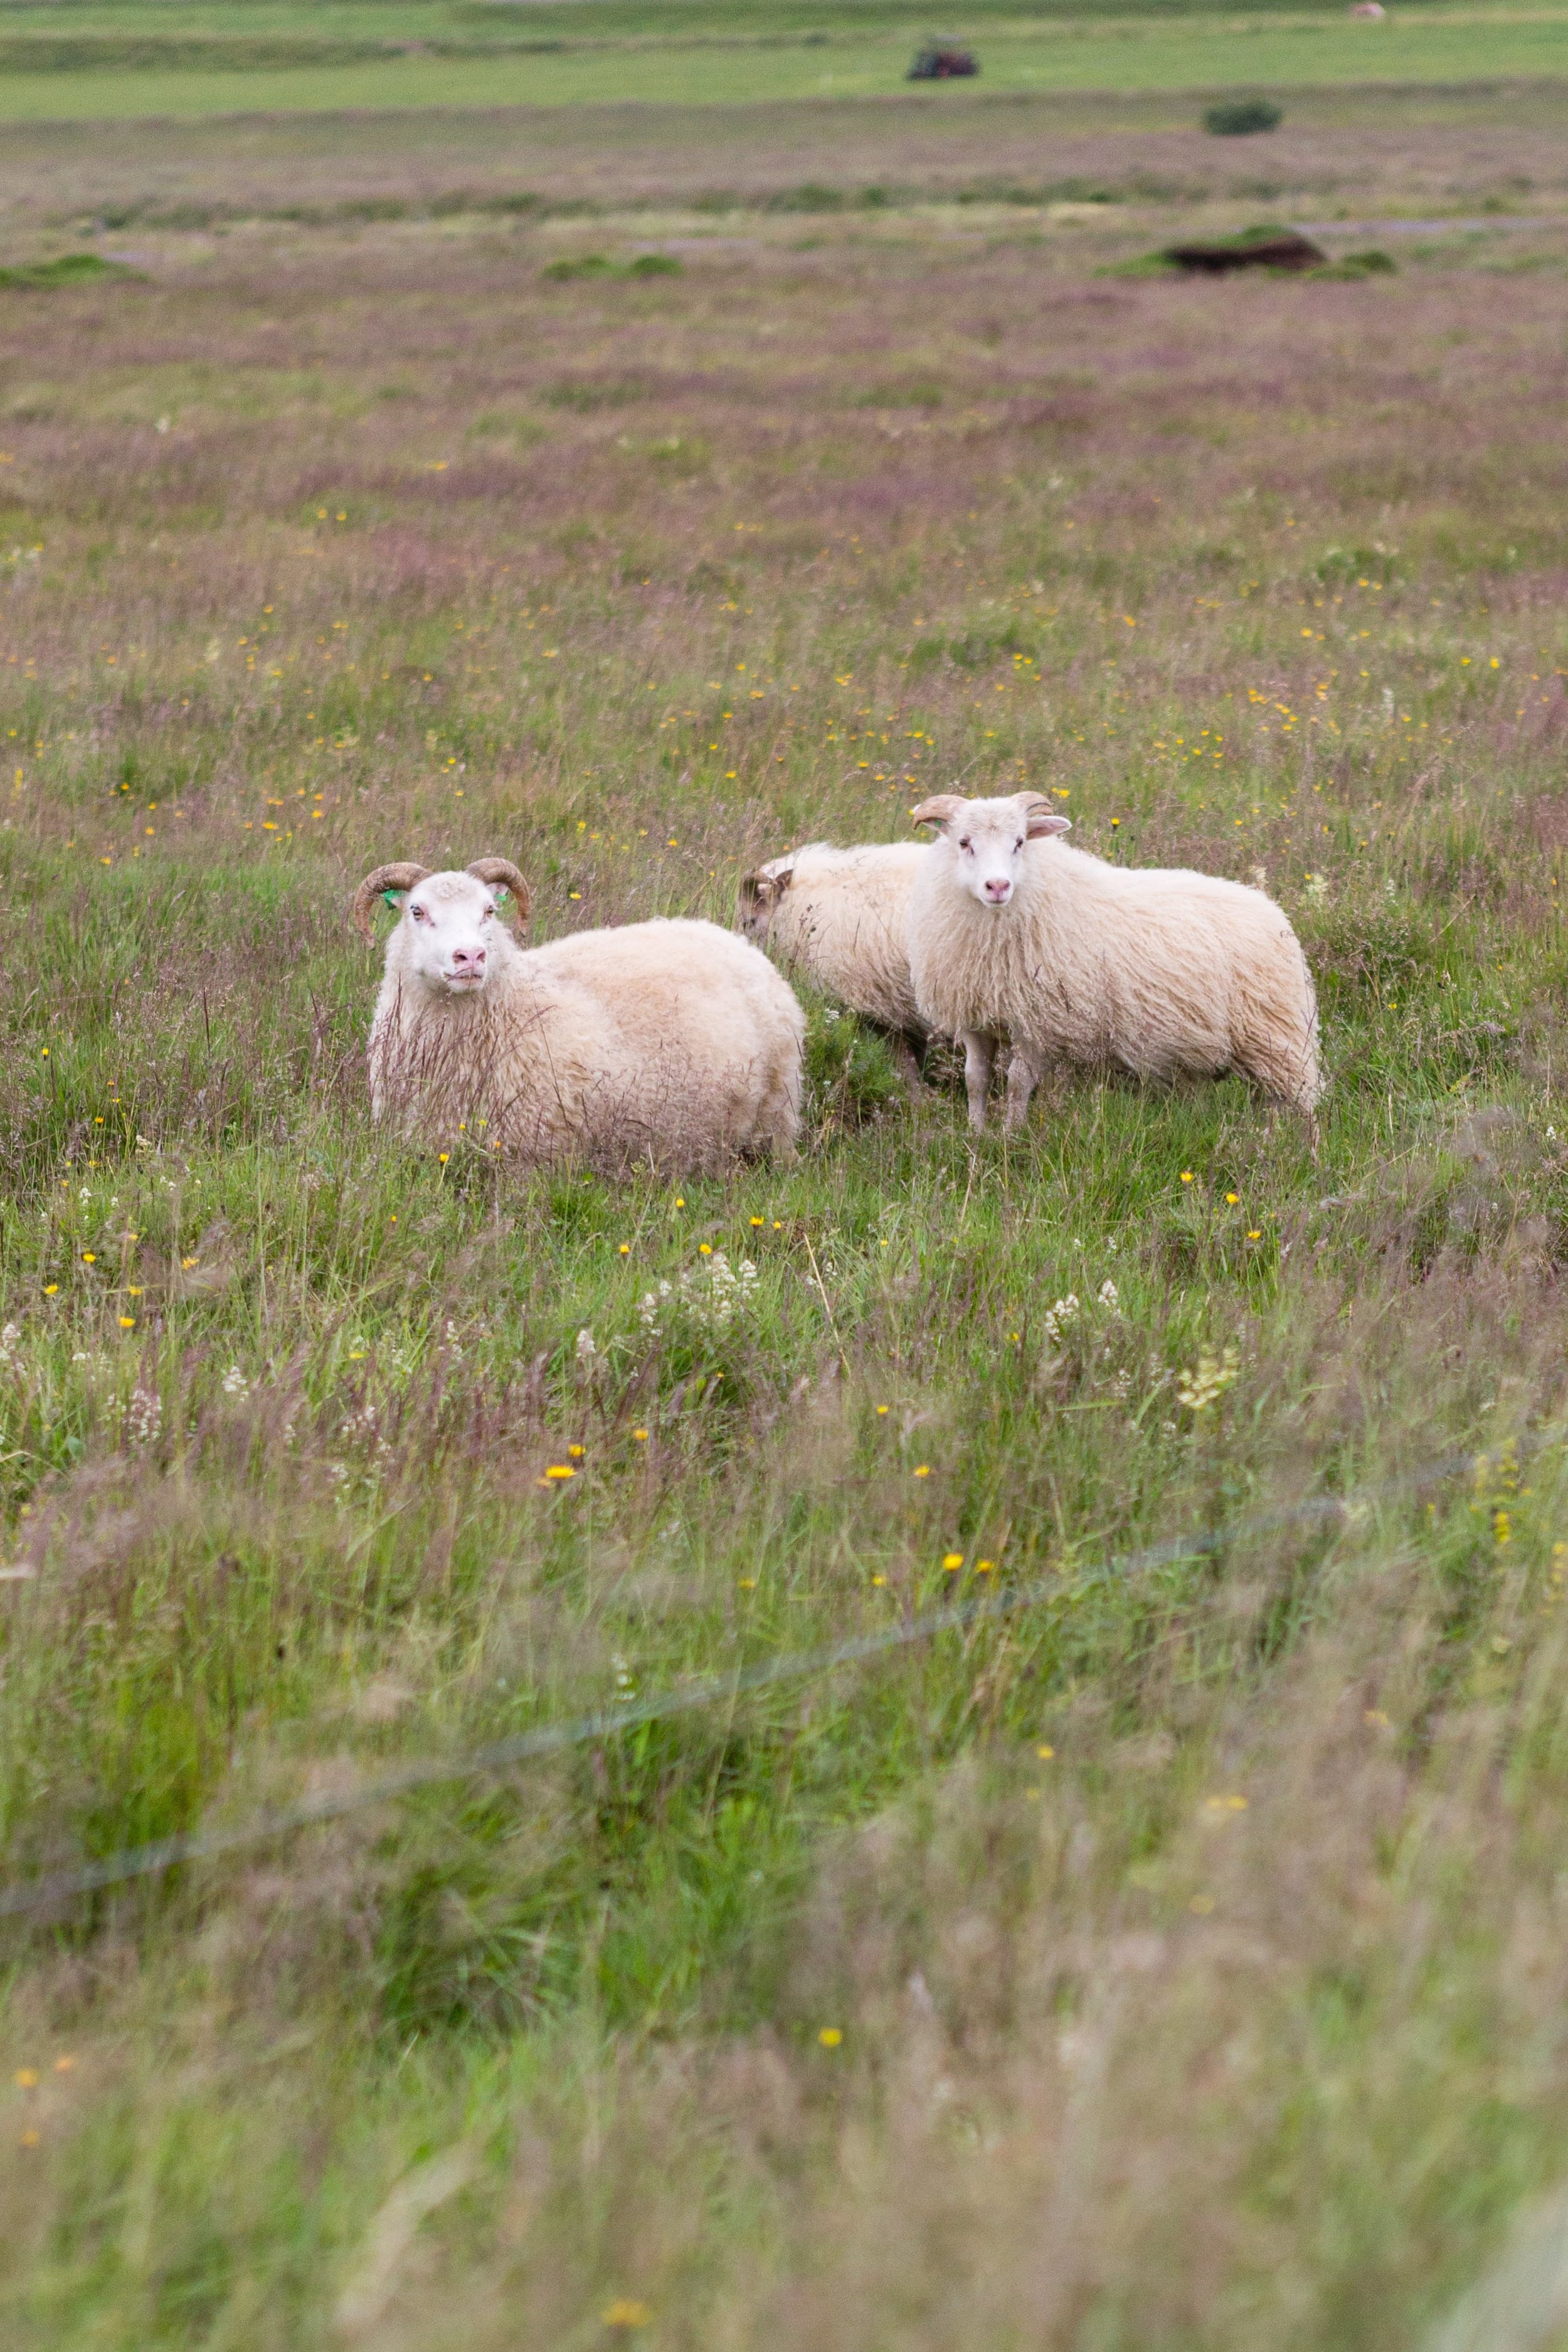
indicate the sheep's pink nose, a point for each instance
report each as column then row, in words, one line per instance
column 468, row 958
column 998, row 889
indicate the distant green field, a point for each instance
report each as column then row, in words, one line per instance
column 478, row 23
column 1117, row 55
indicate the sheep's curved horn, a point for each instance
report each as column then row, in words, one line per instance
column 403, row 877
column 501, row 869
column 1042, row 818
column 937, row 809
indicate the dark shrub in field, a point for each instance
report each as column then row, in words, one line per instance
column 1254, row 249
column 1238, row 117
column 943, row 61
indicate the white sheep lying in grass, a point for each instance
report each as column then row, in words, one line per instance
column 1158, row 970
column 838, row 916
column 666, row 1041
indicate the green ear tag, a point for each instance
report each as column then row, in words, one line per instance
column 391, row 899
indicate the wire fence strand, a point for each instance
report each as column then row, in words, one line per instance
column 50, row 1890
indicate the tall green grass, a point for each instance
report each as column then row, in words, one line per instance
column 1173, row 1961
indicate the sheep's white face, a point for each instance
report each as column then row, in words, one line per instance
column 451, row 931
column 986, row 840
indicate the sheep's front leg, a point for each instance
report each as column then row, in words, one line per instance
column 1024, row 1075
column 979, row 1055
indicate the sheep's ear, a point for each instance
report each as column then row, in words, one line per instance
column 1043, row 819
column 765, row 887
column 941, row 809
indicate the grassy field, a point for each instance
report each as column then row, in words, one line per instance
column 1213, row 56
column 133, row 63
column 1176, row 1961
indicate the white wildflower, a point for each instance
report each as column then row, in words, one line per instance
column 716, row 1291
column 234, row 1384
column 143, row 1415
column 586, row 1349
column 359, row 1424
column 711, row 1294
column 1316, row 889
column 1108, row 1297
column 649, row 1304
column 1065, row 1312
column 8, row 1339
column 1199, row 1387
column 625, row 1681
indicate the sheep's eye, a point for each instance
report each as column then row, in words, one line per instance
column 967, row 845
column 1019, row 843
column 488, row 913
column 418, row 914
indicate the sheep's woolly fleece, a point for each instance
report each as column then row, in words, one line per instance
column 838, row 916
column 668, row 1043
column 1160, row 970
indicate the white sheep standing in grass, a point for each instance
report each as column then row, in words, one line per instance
column 673, row 1043
column 838, row 916
column 1160, row 971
